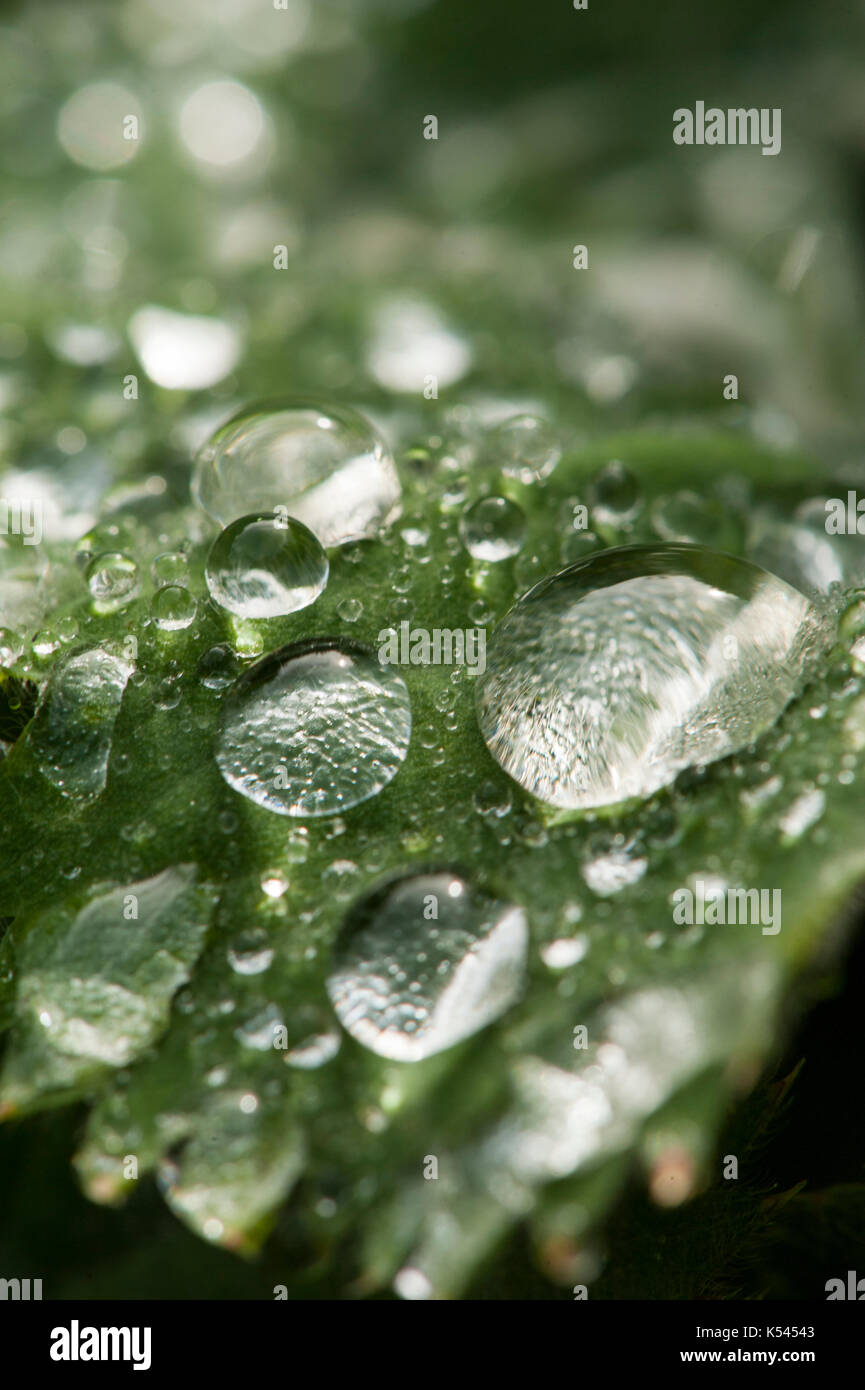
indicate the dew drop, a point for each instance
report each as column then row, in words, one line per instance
column 11, row 646
column 684, row 516
column 327, row 468
column 171, row 567
column 407, row 985
column 112, row 579
column 349, row 609
column 265, row 566
column 314, row 728
column 172, row 608
column 526, row 448
column 72, row 731
column 607, row 679
column 218, row 667
column 614, row 495
column 493, row 528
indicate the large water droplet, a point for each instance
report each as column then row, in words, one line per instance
column 327, row 468
column 425, row 962
column 265, row 566
column 72, row 731
column 314, row 728
column 607, row 679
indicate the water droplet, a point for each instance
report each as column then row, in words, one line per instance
column 45, row 642
column 565, row 951
column 493, row 528
column 802, row 557
column 72, row 730
column 259, row 1031
column 684, row 516
column 252, row 954
column 314, row 728
column 171, row 567
column 327, row 468
column 11, row 646
column 312, row 1052
column 112, row 579
column 576, row 545
column 273, row 885
column 492, row 799
column 266, row 566
column 613, row 869
column 349, row 609
column 526, row 446
column 805, row 811
column 172, row 608
column 614, row 496
column 407, row 985
column 607, row 679
column 218, row 667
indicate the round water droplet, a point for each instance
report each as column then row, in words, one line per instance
column 172, row 608
column 327, row 468
column 614, row 496
column 349, row 609
column 45, row 642
column 423, row 963
column 576, row 545
column 218, row 667
column 807, row 558
column 526, row 448
column 493, row 528
column 112, row 579
column 607, row 679
column 684, row 516
column 171, row 567
column 314, row 728
column 11, row 646
column 266, row 566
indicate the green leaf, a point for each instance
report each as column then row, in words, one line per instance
column 524, row 1126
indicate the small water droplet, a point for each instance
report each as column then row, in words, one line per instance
column 614, row 496
column 112, row 579
column 493, row 528
column 218, row 667
column 526, row 446
column 171, row 567
column 172, row 608
column 349, row 609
